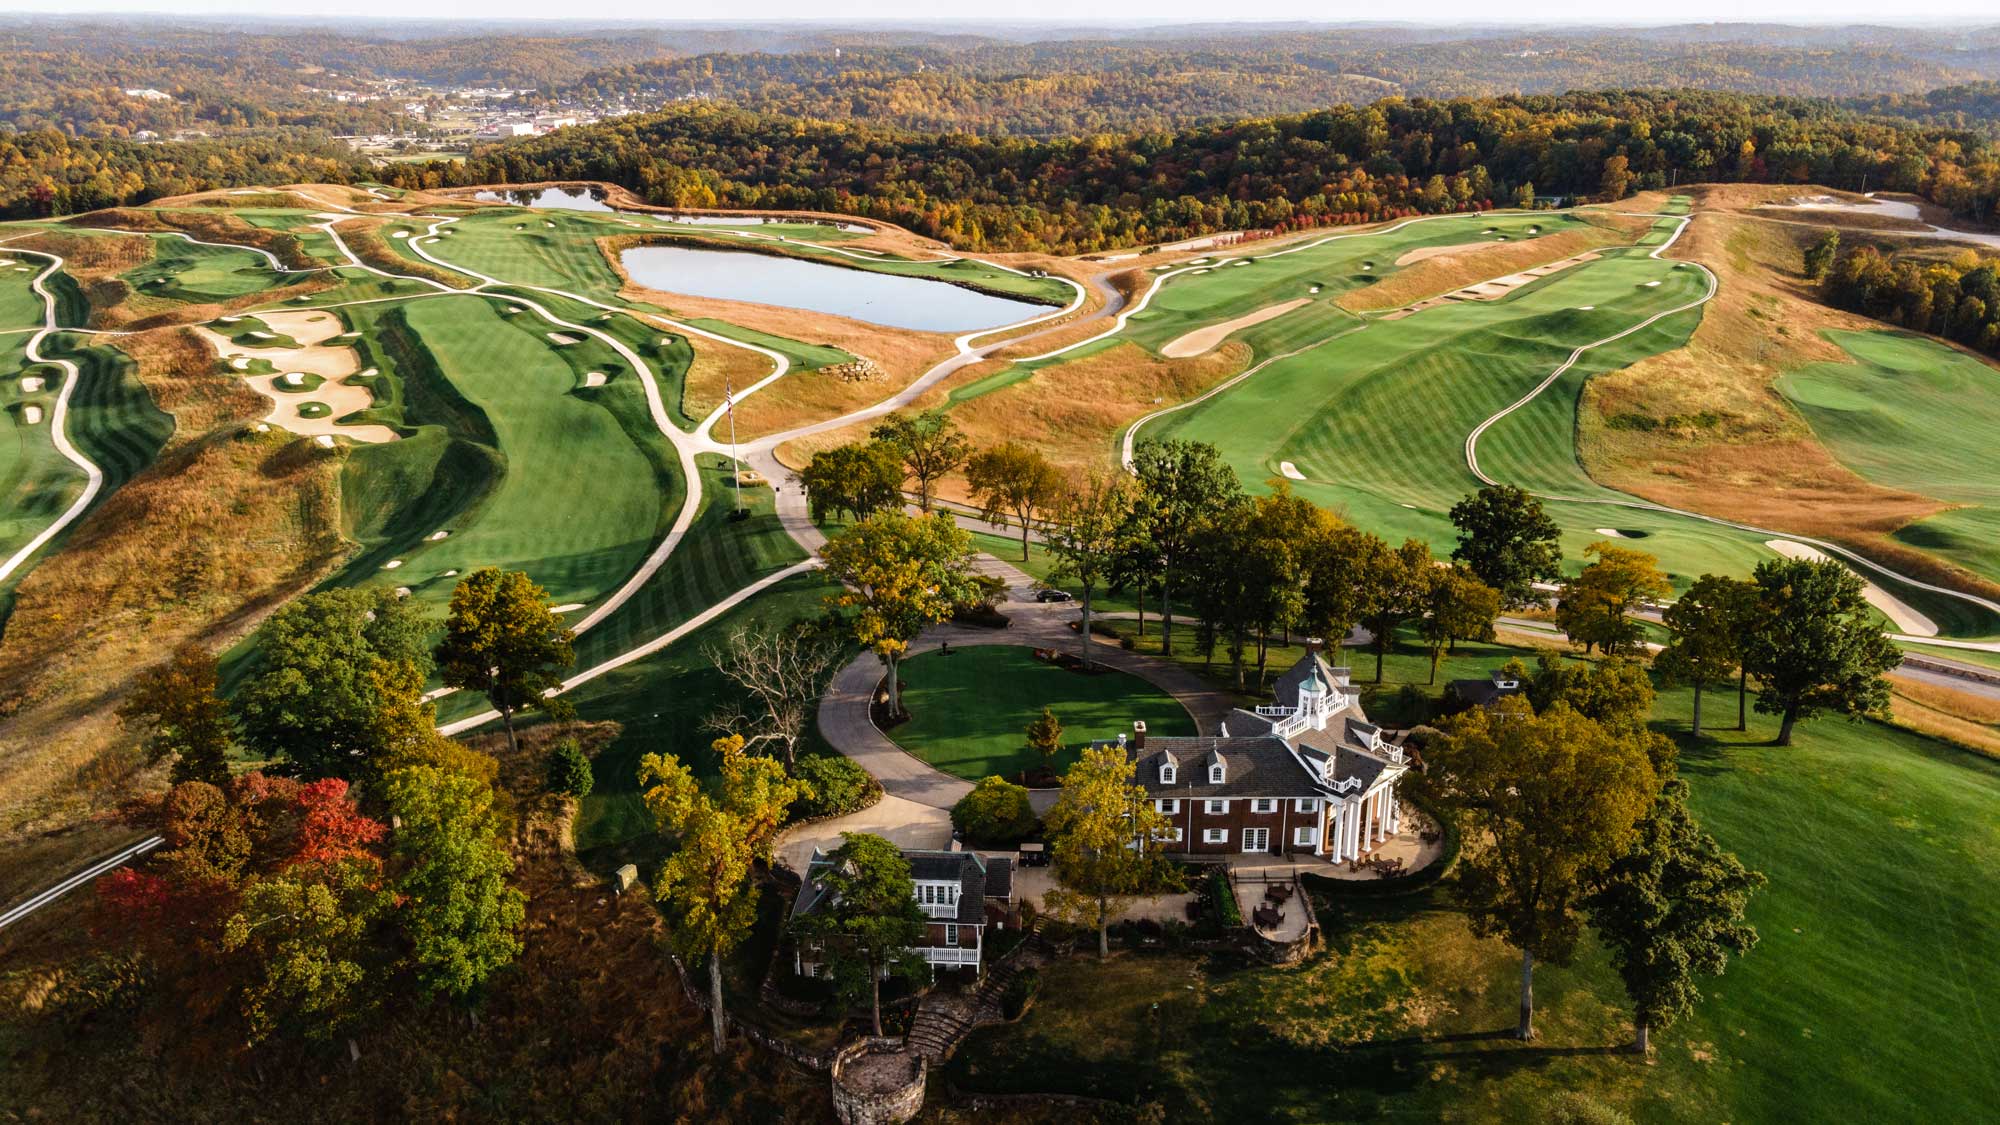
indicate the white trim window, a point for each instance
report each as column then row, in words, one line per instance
column 1264, row 805
column 1169, row 805
column 1215, row 774
column 1256, row 839
column 1217, row 807
column 951, row 935
column 1306, row 804
column 1305, row 837
column 1167, row 773
column 1215, row 835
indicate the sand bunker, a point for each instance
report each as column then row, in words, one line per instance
column 1611, row 531
column 562, row 341
column 31, row 414
column 437, row 535
column 313, row 356
column 1496, row 288
column 32, row 383
column 1900, row 613
column 594, row 379
column 571, row 607
column 1203, row 339
column 1290, row 470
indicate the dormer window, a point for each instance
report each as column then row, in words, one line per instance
column 1167, row 773
column 1215, row 773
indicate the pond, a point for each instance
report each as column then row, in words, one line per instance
column 585, row 198
column 878, row 298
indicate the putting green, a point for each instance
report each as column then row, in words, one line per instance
column 970, row 710
column 1911, row 413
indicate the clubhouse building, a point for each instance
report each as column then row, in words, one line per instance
column 1306, row 775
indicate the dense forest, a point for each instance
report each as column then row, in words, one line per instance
column 1957, row 299
column 1048, row 89
column 1344, row 164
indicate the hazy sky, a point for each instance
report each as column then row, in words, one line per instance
column 1140, row 11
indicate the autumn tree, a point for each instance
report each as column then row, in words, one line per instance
column 1670, row 909
column 1709, row 623
column 1546, row 802
column 718, row 836
column 1509, row 542
column 930, row 445
column 1086, row 530
column 177, row 706
column 1821, row 255
column 1457, row 607
column 502, row 640
column 1107, row 839
column 1395, row 588
column 1045, row 737
column 857, row 479
column 306, row 935
column 316, row 696
column 1813, row 645
column 1013, row 481
column 1614, row 691
column 901, row 573
column 455, row 909
column 1592, row 606
column 779, row 675
column 1337, row 569
column 1181, row 484
column 868, row 919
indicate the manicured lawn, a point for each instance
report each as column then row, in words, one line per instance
column 1870, row 994
column 970, row 710
column 1911, row 413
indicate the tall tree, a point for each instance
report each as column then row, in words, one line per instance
column 1013, row 481
column 1458, row 607
column 1508, row 541
column 1107, row 837
column 1614, row 691
column 1812, row 645
column 1708, row 623
column 1228, row 572
column 780, row 675
column 315, row 700
column 930, row 444
column 502, row 640
column 184, row 719
column 718, row 836
column 1086, row 531
column 1592, row 607
column 1395, row 588
column 869, row 921
column 1821, row 254
column 857, row 479
column 456, row 910
column 1045, row 737
column 902, row 573
column 306, row 938
column 1547, row 801
column 1337, row 570
column 1181, row 483
column 1669, row 909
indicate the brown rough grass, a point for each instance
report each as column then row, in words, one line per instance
column 1959, row 717
column 1705, row 428
column 223, row 527
column 715, row 367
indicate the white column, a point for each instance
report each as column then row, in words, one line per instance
column 1359, row 811
column 1395, row 813
column 1381, row 815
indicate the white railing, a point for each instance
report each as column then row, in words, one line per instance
column 940, row 909
column 950, row 955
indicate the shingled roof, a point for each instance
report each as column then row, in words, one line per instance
column 979, row 878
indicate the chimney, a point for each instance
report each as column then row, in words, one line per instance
column 1139, row 734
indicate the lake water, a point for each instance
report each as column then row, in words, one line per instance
column 593, row 199
column 899, row 302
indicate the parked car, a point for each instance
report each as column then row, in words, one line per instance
column 1053, row 596
column 1033, row 855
